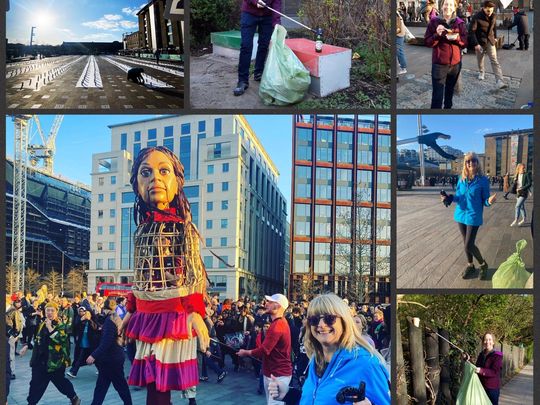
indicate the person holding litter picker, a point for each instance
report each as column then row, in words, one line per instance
column 255, row 17
column 472, row 195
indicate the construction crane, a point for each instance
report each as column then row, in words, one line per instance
column 23, row 152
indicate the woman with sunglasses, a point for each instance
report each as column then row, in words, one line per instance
column 472, row 195
column 339, row 358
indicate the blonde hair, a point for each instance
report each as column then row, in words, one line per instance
column 350, row 338
column 465, row 172
column 518, row 167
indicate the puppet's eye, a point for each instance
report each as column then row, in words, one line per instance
column 164, row 171
column 145, row 172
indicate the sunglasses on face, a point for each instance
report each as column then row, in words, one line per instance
column 328, row 319
column 471, row 161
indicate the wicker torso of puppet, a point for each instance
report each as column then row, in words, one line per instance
column 168, row 286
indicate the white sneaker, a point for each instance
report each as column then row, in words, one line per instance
column 481, row 76
column 501, row 84
column 402, row 71
column 69, row 373
column 514, row 223
column 521, row 222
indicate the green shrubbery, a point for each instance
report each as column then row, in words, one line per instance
column 212, row 16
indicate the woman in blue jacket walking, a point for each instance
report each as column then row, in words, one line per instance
column 339, row 358
column 472, row 195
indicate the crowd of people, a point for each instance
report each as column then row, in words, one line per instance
column 67, row 334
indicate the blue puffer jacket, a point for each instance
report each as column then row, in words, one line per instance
column 346, row 369
column 470, row 199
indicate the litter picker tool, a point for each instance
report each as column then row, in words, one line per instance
column 262, row 3
column 449, row 342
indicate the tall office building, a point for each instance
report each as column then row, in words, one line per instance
column 340, row 226
column 504, row 150
column 231, row 184
column 158, row 32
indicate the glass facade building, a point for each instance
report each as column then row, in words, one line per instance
column 341, row 191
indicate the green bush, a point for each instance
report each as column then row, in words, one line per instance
column 209, row 16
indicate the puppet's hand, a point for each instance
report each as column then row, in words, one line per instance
column 196, row 322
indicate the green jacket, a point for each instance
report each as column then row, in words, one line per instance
column 52, row 348
column 66, row 316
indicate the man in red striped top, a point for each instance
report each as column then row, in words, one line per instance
column 275, row 350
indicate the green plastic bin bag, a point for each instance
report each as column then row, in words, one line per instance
column 512, row 273
column 471, row 391
column 285, row 80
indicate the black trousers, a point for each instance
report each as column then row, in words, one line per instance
column 80, row 360
column 469, row 237
column 443, row 80
column 40, row 381
column 523, row 41
column 111, row 372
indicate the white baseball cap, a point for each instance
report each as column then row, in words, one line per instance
column 279, row 298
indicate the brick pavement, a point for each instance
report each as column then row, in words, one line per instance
column 241, row 385
column 414, row 88
column 60, row 92
column 430, row 250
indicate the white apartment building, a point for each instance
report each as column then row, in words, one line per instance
column 231, row 184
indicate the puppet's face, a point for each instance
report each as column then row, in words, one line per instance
column 157, row 183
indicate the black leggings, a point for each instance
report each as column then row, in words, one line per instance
column 469, row 236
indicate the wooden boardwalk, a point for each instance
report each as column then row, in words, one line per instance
column 430, row 251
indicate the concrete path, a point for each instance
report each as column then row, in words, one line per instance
column 430, row 250
column 414, row 88
column 519, row 390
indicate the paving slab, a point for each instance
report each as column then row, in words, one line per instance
column 430, row 251
column 414, row 88
column 519, row 390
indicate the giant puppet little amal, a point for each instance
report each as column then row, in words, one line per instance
column 166, row 309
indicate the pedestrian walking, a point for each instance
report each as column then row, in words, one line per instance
column 521, row 20
column 14, row 327
column 472, row 195
column 521, row 188
column 109, row 357
column 447, row 35
column 275, row 351
column 86, row 340
column 401, row 30
column 483, row 37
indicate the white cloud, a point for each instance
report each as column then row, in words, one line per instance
column 112, row 17
column 105, row 37
column 483, row 130
column 132, row 10
column 102, row 24
column 128, row 24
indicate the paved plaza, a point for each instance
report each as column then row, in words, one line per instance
column 236, row 387
column 430, row 251
column 93, row 82
column 414, row 88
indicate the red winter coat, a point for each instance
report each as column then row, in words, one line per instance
column 446, row 52
column 490, row 369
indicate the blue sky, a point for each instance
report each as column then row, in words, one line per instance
column 80, row 136
column 467, row 131
column 68, row 20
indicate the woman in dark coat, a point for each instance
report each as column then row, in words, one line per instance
column 488, row 368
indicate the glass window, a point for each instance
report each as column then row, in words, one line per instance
column 112, row 229
column 225, row 204
column 208, row 242
column 100, row 214
column 99, row 264
column 344, row 147
column 100, row 246
column 111, row 265
column 321, row 256
column 210, row 188
column 217, row 127
column 123, row 141
column 344, row 184
column 345, row 121
column 222, row 264
column 383, row 260
column 343, row 258
column 136, row 149
column 303, row 182
column 100, row 197
column 365, row 149
column 152, row 134
column 383, row 223
column 325, row 119
column 323, row 220
column 208, row 262
column 364, row 186
column 301, row 257
column 302, row 219
column 129, row 197
column 219, row 150
column 223, row 242
column 151, row 144
column 210, row 169
column 202, row 126
column 185, row 155
column 169, row 131
column 101, row 181
column 344, row 222
column 383, row 151
column 137, row 136
column 384, row 121
column 111, row 246
column 185, row 129
column 209, row 224
column 169, row 143
column 112, row 213
column 324, row 146
column 383, row 187
column 113, row 179
column 363, row 223
column 113, row 196
column 209, row 206
column 224, row 223
column 195, row 213
column 100, row 230
column 191, row 191
column 366, row 121
column 323, row 183
column 225, row 186
column 225, row 167
column 304, row 143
